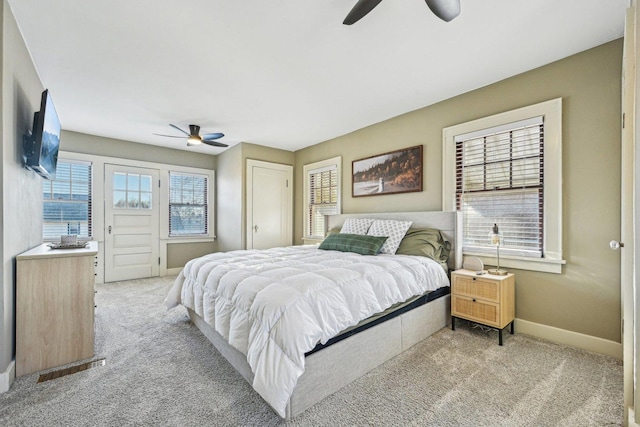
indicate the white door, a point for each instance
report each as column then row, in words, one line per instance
column 132, row 223
column 269, row 205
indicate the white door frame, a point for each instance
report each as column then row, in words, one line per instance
column 630, row 215
column 249, row 197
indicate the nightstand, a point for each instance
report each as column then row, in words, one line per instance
column 486, row 299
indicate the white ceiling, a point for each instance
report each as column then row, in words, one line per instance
column 285, row 73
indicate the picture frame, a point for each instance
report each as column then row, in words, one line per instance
column 398, row 171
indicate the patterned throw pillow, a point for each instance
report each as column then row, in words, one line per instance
column 394, row 230
column 356, row 225
column 358, row 243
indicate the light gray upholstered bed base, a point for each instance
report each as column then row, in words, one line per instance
column 336, row 366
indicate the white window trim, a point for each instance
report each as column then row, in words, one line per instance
column 164, row 169
column 334, row 161
column 98, row 208
column 208, row 205
column 164, row 205
column 552, row 239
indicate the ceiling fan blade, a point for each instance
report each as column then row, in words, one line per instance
column 215, row 143
column 360, row 10
column 176, row 127
column 212, row 136
column 444, row 9
column 169, row 136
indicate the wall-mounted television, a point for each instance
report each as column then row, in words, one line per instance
column 41, row 148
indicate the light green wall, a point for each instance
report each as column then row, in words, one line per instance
column 100, row 146
column 585, row 298
column 229, row 200
column 179, row 253
column 21, row 188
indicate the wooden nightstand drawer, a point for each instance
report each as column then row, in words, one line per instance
column 475, row 309
column 476, row 287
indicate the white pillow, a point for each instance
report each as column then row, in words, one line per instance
column 356, row 225
column 394, row 230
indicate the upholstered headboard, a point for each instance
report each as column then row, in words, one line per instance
column 449, row 223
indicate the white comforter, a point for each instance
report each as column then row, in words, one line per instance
column 275, row 305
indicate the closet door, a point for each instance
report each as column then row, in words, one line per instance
column 269, row 205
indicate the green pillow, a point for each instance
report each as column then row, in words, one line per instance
column 427, row 242
column 360, row 244
column 333, row 231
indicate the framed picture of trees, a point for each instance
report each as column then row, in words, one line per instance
column 394, row 172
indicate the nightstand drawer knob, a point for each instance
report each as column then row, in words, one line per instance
column 474, row 300
column 474, row 279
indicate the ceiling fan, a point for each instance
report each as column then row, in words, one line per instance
column 194, row 137
column 443, row 9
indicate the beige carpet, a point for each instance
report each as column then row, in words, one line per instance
column 161, row 371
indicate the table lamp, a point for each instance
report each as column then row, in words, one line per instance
column 495, row 237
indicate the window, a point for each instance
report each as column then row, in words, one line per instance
column 67, row 201
column 500, row 180
column 322, row 195
column 188, row 204
column 132, row 191
column 506, row 169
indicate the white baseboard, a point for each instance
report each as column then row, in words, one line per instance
column 574, row 339
column 7, row 377
column 174, row 271
column 631, row 419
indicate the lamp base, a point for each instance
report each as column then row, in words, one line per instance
column 498, row 272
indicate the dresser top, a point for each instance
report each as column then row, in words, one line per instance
column 44, row 251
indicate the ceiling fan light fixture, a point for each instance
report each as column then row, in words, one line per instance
column 194, row 140
column 444, row 9
column 194, row 137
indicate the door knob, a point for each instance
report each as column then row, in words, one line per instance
column 109, row 229
column 615, row 245
column 255, row 227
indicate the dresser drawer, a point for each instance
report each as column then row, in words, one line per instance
column 481, row 311
column 476, row 287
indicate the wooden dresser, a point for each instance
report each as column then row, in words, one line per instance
column 54, row 307
column 485, row 299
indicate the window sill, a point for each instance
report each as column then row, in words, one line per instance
column 190, row 239
column 543, row 265
column 311, row 240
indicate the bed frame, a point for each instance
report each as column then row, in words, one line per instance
column 334, row 367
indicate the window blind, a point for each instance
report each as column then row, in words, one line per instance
column 323, row 198
column 500, row 180
column 188, row 204
column 67, row 201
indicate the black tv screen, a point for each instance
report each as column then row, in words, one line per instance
column 42, row 155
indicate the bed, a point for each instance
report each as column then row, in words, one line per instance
column 247, row 328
